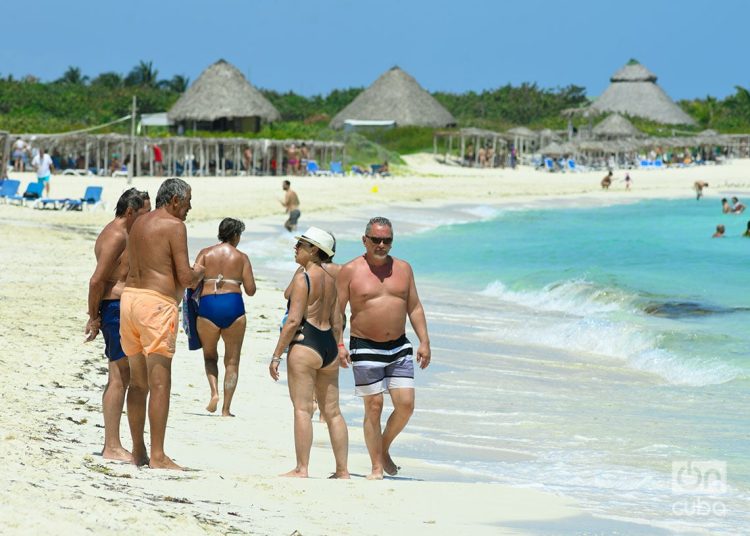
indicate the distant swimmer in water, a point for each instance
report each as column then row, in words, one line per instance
column 607, row 181
column 737, row 206
column 719, row 232
column 746, row 234
column 725, row 208
column 698, row 186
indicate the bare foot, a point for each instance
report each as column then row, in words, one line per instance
column 342, row 476
column 226, row 413
column 388, row 465
column 164, row 462
column 139, row 458
column 296, row 473
column 375, row 475
column 211, row 408
column 117, row 454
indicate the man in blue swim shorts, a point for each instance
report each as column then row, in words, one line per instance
column 105, row 287
column 381, row 292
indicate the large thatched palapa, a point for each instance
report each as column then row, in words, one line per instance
column 396, row 96
column 634, row 92
column 222, row 99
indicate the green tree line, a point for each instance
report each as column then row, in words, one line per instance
column 77, row 101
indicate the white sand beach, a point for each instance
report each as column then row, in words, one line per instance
column 51, row 429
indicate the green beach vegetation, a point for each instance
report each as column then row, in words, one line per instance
column 76, row 101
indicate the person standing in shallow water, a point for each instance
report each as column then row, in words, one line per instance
column 291, row 206
column 105, row 289
column 221, row 313
column 382, row 292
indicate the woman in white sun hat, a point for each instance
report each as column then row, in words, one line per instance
column 311, row 331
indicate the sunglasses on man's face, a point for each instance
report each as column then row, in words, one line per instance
column 377, row 240
column 301, row 243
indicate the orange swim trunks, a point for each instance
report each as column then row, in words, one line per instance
column 148, row 322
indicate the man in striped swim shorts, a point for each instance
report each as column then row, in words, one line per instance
column 381, row 292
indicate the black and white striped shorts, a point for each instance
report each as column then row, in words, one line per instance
column 380, row 366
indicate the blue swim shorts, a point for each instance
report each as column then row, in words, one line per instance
column 110, row 312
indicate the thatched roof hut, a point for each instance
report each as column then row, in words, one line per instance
column 616, row 126
column 396, row 96
column 222, row 99
column 633, row 91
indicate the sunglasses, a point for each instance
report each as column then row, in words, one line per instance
column 375, row 240
column 301, row 243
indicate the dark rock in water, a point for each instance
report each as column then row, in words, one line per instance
column 688, row 309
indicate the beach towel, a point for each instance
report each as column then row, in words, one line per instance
column 190, row 303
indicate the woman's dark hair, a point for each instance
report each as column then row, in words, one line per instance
column 229, row 228
column 322, row 255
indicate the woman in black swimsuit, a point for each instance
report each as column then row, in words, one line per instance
column 310, row 332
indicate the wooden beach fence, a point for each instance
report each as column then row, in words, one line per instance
column 186, row 156
column 477, row 136
column 4, row 153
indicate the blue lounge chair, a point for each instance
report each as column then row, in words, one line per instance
column 314, row 169
column 337, row 168
column 549, row 164
column 33, row 192
column 9, row 188
column 356, row 170
column 658, row 163
column 92, row 197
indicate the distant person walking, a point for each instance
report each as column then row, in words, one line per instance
column 607, row 181
column 698, row 187
column 381, row 292
column 44, row 167
column 221, row 313
column 627, row 181
column 291, row 206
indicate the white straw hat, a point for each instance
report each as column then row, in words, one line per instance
column 320, row 238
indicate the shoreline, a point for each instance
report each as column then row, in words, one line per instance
column 53, row 386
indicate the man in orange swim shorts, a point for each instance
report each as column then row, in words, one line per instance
column 159, row 272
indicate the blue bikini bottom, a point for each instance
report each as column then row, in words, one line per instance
column 222, row 309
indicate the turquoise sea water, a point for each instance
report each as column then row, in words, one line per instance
column 585, row 351
column 588, row 351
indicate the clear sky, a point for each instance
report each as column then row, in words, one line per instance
column 695, row 47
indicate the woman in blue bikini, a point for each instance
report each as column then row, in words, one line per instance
column 221, row 312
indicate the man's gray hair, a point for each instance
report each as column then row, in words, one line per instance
column 378, row 220
column 170, row 188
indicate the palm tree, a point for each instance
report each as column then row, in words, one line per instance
column 142, row 74
column 178, row 83
column 73, row 76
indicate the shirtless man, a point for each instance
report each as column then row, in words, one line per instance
column 291, row 206
column 698, row 187
column 382, row 293
column 105, row 288
column 159, row 273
